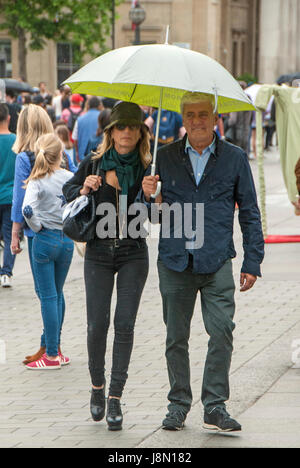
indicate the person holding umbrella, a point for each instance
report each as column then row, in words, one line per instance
column 202, row 169
column 122, row 158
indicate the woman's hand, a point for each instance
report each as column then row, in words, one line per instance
column 92, row 182
column 15, row 243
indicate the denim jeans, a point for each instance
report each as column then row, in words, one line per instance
column 128, row 259
column 6, row 228
column 52, row 253
column 179, row 291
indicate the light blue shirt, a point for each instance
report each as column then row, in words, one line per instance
column 199, row 161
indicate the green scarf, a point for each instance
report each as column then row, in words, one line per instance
column 128, row 167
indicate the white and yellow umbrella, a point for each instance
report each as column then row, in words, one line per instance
column 158, row 75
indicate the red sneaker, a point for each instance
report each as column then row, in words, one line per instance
column 64, row 360
column 44, row 364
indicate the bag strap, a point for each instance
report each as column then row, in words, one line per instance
column 31, row 157
column 96, row 169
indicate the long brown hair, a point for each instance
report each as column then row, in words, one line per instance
column 33, row 122
column 48, row 150
column 62, row 132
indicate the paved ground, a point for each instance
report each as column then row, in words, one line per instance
column 45, row 409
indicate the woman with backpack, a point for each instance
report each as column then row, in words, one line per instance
column 32, row 123
column 52, row 250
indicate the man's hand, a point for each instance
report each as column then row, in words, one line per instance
column 247, row 281
column 149, row 186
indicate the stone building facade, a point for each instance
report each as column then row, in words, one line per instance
column 258, row 37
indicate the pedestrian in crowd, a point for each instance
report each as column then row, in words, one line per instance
column 14, row 109
column 49, row 108
column 59, row 102
column 86, row 126
column 170, row 128
column 43, row 90
column 96, row 140
column 52, row 250
column 122, row 158
column 7, row 171
column 238, row 126
column 71, row 114
column 33, row 122
column 297, row 173
column 270, row 123
column 63, row 133
column 219, row 127
column 203, row 169
column 26, row 99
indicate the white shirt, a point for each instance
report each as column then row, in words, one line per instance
column 44, row 203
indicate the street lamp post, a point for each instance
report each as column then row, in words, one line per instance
column 137, row 15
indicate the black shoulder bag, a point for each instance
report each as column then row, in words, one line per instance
column 79, row 218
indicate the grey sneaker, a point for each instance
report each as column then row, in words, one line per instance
column 219, row 420
column 174, row 420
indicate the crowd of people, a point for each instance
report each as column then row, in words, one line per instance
column 73, row 145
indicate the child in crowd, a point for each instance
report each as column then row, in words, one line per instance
column 63, row 133
column 52, row 251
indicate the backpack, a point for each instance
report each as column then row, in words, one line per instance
column 64, row 164
column 72, row 119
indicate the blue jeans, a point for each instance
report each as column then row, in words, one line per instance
column 52, row 254
column 5, row 228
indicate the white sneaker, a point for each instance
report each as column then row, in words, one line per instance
column 5, row 281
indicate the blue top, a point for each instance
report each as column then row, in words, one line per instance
column 7, row 168
column 87, row 127
column 226, row 180
column 22, row 172
column 170, row 124
column 93, row 144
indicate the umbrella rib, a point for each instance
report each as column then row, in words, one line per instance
column 135, row 86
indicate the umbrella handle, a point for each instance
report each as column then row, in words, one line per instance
column 158, row 189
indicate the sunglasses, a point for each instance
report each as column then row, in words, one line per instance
column 122, row 127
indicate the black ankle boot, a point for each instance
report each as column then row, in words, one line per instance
column 114, row 415
column 97, row 404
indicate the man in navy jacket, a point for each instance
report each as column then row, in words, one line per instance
column 202, row 171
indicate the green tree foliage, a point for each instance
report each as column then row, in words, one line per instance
column 84, row 23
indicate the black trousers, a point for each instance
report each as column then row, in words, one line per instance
column 128, row 261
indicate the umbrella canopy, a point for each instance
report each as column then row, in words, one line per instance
column 18, row 86
column 139, row 73
column 288, row 78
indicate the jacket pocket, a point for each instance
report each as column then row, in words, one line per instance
column 220, row 189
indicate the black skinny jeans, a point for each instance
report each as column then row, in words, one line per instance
column 129, row 260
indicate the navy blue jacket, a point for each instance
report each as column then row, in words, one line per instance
column 227, row 180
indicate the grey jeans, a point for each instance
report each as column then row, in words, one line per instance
column 179, row 291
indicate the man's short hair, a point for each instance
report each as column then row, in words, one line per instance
column 94, row 102
column 193, row 98
column 4, row 112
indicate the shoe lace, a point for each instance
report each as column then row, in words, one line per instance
column 224, row 412
column 177, row 415
column 114, row 406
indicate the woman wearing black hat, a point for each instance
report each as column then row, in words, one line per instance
column 123, row 156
